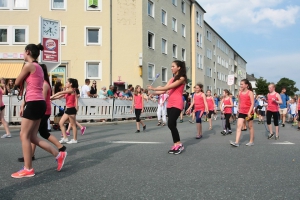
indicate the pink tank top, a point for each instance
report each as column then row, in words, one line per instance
column 199, row 102
column 138, row 101
column 227, row 110
column 245, row 103
column 175, row 97
column 210, row 103
column 299, row 104
column 1, row 94
column 272, row 106
column 35, row 81
column 48, row 102
column 70, row 100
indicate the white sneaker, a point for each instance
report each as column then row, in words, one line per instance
column 63, row 140
column 72, row 142
column 6, row 136
column 250, row 144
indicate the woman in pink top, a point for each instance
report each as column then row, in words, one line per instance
column 175, row 88
column 71, row 109
column 2, row 112
column 211, row 107
column 274, row 99
column 227, row 111
column 138, row 106
column 298, row 108
column 200, row 106
column 246, row 105
column 32, row 110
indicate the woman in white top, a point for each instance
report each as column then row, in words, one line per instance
column 103, row 93
column 162, row 109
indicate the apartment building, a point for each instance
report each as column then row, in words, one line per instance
column 121, row 42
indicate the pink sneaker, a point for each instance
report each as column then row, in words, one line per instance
column 83, row 130
column 68, row 134
column 171, row 151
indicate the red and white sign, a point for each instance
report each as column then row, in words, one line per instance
column 51, row 50
column 230, row 80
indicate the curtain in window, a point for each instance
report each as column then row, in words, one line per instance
column 3, row 35
column 58, row 4
column 20, row 35
column 3, row 3
column 20, row 3
column 93, row 3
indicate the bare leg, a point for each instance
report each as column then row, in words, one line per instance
column 62, row 121
column 277, row 130
column 240, row 123
column 141, row 122
column 79, row 125
column 251, row 130
column 72, row 119
column 137, row 125
column 5, row 125
column 270, row 128
column 199, row 129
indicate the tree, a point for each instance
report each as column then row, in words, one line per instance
column 287, row 83
column 261, row 86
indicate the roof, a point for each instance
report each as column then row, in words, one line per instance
column 10, row 70
column 224, row 40
column 196, row 1
column 250, row 77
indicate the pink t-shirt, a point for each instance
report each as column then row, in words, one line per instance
column 245, row 102
column 138, row 101
column 199, row 102
column 1, row 94
column 175, row 97
column 35, row 81
column 210, row 103
column 272, row 105
column 227, row 110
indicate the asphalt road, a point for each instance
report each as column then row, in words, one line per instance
column 113, row 162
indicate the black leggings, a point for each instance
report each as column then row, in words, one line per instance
column 173, row 114
column 275, row 117
column 43, row 128
column 227, row 123
column 138, row 115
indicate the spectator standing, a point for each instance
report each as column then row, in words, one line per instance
column 10, row 87
column 85, row 90
column 216, row 98
column 103, row 93
column 283, row 107
column 3, row 86
column 93, row 90
column 110, row 92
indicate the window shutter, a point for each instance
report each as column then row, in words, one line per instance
column 93, row 3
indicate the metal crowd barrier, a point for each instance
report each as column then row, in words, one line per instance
column 88, row 108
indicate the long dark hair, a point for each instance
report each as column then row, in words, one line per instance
column 74, row 82
column 247, row 82
column 200, row 85
column 227, row 92
column 46, row 76
column 34, row 50
column 181, row 72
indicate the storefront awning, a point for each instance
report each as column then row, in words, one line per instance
column 10, row 70
column 119, row 83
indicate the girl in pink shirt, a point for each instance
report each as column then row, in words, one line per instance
column 138, row 105
column 226, row 108
column 2, row 112
column 211, row 107
column 175, row 88
column 200, row 106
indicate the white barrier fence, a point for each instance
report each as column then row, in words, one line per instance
column 88, row 108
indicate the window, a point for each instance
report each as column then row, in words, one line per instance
column 199, row 61
column 208, row 35
column 94, row 70
column 19, row 35
column 58, row 4
column 183, row 30
column 208, row 72
column 20, row 4
column 163, row 46
column 93, row 36
column 63, row 35
column 183, row 54
column 199, row 20
column 14, row 4
column 150, row 8
column 174, row 2
column 197, row 17
column 163, row 17
column 3, row 35
column 3, row 4
column 209, row 53
column 200, row 40
column 174, row 24
column 151, row 71
column 174, row 51
column 150, row 40
column 164, row 74
column 183, row 6
column 93, row 5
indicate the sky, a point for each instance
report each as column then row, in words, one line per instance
column 266, row 33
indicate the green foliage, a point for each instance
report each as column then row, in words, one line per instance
column 289, row 84
column 261, row 86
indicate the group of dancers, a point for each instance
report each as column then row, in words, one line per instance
column 36, row 109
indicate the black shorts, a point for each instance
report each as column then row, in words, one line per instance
column 262, row 113
column 298, row 115
column 211, row 112
column 71, row 111
column 2, row 108
column 244, row 116
column 34, row 110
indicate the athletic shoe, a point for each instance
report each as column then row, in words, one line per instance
column 6, row 136
column 191, row 121
column 259, row 122
column 234, row 144
column 270, row 136
column 23, row 173
column 144, row 128
column 181, row 121
column 276, row 137
column 60, row 159
column 250, row 144
column 178, row 149
column 229, row 132
column 67, row 133
column 198, row 137
column 137, row 131
column 280, row 121
column 283, row 125
column 22, row 159
column 72, row 142
column 171, row 151
column 224, row 133
column 83, row 130
column 63, row 140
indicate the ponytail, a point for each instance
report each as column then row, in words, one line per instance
column 247, row 82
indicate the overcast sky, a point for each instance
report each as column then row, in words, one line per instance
column 266, row 33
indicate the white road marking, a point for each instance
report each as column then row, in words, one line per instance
column 285, row 142
column 133, row 142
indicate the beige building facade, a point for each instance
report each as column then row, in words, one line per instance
column 119, row 42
